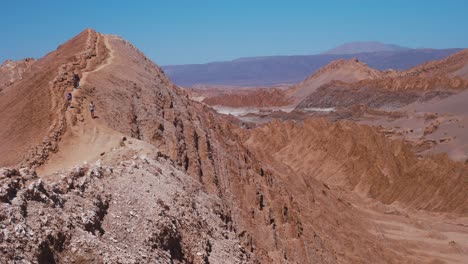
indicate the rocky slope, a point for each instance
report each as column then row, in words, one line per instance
column 33, row 108
column 11, row 71
column 109, row 214
column 453, row 66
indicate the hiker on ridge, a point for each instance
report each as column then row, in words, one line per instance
column 91, row 109
column 69, row 99
column 76, row 80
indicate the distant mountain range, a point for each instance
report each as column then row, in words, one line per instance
column 274, row 70
column 364, row 47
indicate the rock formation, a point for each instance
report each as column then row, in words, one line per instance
column 11, row 71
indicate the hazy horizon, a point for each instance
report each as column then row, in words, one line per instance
column 199, row 32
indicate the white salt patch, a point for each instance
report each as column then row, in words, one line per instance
column 317, row 109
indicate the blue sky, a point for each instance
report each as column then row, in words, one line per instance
column 199, row 31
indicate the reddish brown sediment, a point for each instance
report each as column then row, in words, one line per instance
column 262, row 97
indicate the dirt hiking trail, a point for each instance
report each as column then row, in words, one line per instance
column 86, row 139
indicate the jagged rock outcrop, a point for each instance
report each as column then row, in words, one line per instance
column 110, row 213
column 12, row 71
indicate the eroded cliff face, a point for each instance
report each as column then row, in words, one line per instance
column 360, row 158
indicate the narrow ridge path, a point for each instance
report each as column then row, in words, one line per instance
column 108, row 62
column 86, row 139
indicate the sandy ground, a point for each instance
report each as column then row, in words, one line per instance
column 427, row 236
column 448, row 117
column 454, row 126
column 240, row 111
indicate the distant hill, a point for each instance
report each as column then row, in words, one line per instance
column 341, row 70
column 274, row 70
column 364, row 47
column 385, row 89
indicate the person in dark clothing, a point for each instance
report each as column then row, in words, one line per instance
column 69, row 99
column 76, row 80
column 91, row 109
